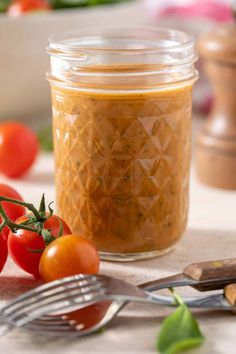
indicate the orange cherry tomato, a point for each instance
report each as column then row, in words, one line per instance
column 68, row 255
column 22, row 244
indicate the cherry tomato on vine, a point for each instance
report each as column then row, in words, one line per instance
column 19, row 7
column 3, row 250
column 26, row 247
column 13, row 211
column 18, row 149
column 68, row 255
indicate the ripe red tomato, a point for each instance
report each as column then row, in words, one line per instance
column 23, row 243
column 3, row 250
column 13, row 211
column 18, row 149
column 19, row 7
column 68, row 255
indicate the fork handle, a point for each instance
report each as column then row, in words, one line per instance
column 225, row 268
column 230, row 293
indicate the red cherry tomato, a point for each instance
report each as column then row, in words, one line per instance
column 22, row 244
column 19, row 7
column 90, row 315
column 3, row 250
column 68, row 255
column 13, row 211
column 18, row 149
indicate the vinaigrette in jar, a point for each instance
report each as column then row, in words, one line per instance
column 122, row 125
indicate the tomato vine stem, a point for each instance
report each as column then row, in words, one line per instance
column 39, row 215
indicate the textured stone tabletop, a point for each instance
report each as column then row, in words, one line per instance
column 211, row 234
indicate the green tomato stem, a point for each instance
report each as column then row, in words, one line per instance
column 37, row 219
column 29, row 206
column 13, row 226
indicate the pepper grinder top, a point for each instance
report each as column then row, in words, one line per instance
column 216, row 143
column 219, row 44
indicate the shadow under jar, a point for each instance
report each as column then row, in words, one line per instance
column 122, row 106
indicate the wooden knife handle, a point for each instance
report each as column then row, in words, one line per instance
column 211, row 270
column 230, row 293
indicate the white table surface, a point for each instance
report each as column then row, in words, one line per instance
column 211, row 234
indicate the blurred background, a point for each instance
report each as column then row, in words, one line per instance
column 25, row 26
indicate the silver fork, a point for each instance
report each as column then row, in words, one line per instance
column 78, row 291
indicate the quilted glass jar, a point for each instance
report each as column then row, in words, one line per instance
column 121, row 104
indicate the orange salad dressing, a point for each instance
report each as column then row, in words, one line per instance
column 122, row 165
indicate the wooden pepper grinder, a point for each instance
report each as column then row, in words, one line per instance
column 216, row 144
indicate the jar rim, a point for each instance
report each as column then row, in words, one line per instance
column 123, row 57
column 142, row 40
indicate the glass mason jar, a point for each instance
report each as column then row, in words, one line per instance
column 122, row 106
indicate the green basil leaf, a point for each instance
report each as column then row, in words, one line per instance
column 179, row 331
column 177, row 297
